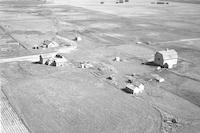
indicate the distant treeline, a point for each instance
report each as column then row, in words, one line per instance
column 187, row 1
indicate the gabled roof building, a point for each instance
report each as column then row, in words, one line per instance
column 166, row 58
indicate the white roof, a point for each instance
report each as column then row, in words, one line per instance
column 158, row 77
column 60, row 59
column 54, row 43
column 168, row 54
column 134, row 85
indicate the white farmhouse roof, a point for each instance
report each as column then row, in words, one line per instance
column 60, row 60
column 48, row 43
column 168, row 54
column 136, row 87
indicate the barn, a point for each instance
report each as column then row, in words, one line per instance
column 166, row 58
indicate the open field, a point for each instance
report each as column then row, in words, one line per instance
column 187, row 1
column 10, row 122
column 71, row 99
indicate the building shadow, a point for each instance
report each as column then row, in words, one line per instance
column 127, row 90
column 36, row 62
column 150, row 63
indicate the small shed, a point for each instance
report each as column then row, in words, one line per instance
column 158, row 78
column 86, row 65
column 117, row 59
column 136, row 87
column 77, row 38
column 166, row 58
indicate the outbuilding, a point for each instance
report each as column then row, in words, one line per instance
column 166, row 58
column 77, row 38
column 85, row 65
column 158, row 78
column 136, row 87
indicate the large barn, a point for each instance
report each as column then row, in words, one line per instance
column 166, row 58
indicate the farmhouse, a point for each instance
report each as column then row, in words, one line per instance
column 56, row 60
column 136, row 87
column 49, row 44
column 166, row 58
